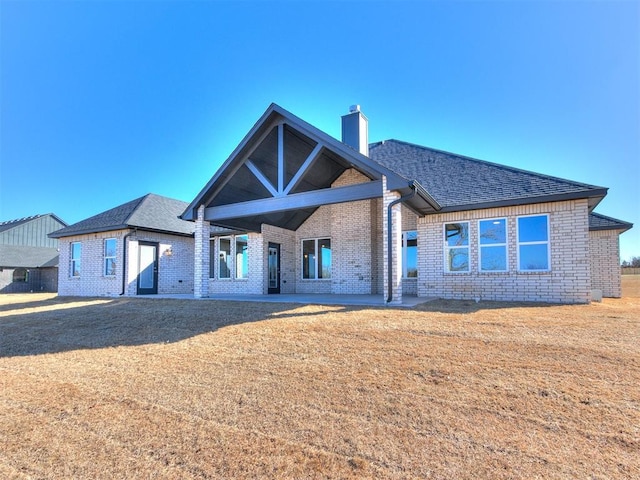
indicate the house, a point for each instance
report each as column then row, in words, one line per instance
column 140, row 247
column 28, row 257
column 293, row 210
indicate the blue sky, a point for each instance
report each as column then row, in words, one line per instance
column 103, row 102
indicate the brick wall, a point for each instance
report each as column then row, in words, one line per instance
column 288, row 249
column 175, row 271
column 605, row 262
column 255, row 283
column 351, row 241
column 317, row 225
column 568, row 281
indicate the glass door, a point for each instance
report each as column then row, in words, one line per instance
column 147, row 268
column 274, row 268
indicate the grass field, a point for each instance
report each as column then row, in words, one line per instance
column 149, row 388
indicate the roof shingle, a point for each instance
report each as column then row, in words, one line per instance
column 458, row 182
column 151, row 212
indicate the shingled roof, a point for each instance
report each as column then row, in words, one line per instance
column 151, row 212
column 458, row 182
column 602, row 222
column 13, row 256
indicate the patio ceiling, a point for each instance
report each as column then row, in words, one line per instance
column 282, row 172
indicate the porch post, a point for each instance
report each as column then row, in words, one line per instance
column 396, row 242
column 201, row 258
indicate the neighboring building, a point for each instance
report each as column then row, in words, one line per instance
column 294, row 210
column 28, row 257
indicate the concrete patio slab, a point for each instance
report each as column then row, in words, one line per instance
column 309, row 299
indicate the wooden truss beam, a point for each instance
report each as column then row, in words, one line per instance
column 294, row 201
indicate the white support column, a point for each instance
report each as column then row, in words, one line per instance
column 201, row 260
column 396, row 252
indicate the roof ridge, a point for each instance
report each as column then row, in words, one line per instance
column 139, row 202
column 30, row 217
column 494, row 164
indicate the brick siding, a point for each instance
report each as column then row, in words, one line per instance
column 175, row 271
column 605, row 262
column 568, row 281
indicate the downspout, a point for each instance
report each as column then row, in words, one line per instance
column 390, row 240
column 124, row 260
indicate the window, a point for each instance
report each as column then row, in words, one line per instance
column 20, row 275
column 533, row 243
column 316, row 258
column 75, row 264
column 212, row 258
column 229, row 260
column 242, row 257
column 456, row 247
column 493, row 245
column 224, row 254
column 410, row 254
column 109, row 257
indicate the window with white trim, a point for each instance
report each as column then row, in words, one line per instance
column 224, row 257
column 456, row 247
column 492, row 248
column 212, row 258
column 242, row 256
column 110, row 257
column 75, row 260
column 533, row 243
column 316, row 258
column 410, row 254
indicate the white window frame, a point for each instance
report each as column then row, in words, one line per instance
column 73, row 260
column 404, row 254
column 317, row 266
column 213, row 242
column 113, row 257
column 448, row 248
column 232, row 260
column 228, row 260
column 539, row 242
column 493, row 245
column 235, row 257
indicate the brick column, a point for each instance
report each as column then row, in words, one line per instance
column 201, row 257
column 396, row 252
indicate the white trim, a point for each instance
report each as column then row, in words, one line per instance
column 316, row 257
column 229, row 258
column 447, row 248
column 105, row 257
column 539, row 242
column 404, row 255
column 235, row 257
column 72, row 260
column 493, row 245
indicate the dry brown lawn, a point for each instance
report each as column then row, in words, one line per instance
column 148, row 388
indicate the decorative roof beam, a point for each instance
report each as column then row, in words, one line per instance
column 313, row 199
column 260, row 176
column 280, row 157
column 313, row 156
